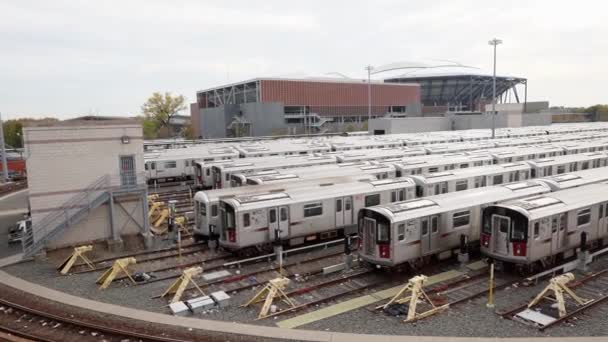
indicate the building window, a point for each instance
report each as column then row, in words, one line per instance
column 313, row 209
column 170, row 165
column 461, row 185
column 583, row 217
column 246, row 221
column 460, row 219
column 372, row 200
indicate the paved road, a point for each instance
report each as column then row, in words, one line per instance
column 12, row 207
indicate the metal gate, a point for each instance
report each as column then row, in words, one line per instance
column 127, row 171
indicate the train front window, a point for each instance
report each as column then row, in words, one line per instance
column 518, row 232
column 383, row 234
column 202, row 208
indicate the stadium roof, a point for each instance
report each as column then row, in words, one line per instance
column 463, row 86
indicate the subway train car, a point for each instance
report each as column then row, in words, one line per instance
column 413, row 231
column 540, row 230
column 296, row 216
column 410, row 224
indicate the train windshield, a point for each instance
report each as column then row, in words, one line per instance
column 202, row 209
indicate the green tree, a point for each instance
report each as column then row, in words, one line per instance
column 188, row 132
column 162, row 107
column 13, row 130
column 150, row 128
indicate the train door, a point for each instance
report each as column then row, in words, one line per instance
column 500, row 233
column 429, row 234
column 603, row 221
column 278, row 222
column 344, row 211
column 369, row 236
column 558, row 232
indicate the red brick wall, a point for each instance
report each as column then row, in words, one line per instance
column 338, row 96
column 194, row 119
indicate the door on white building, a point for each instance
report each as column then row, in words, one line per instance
column 127, row 171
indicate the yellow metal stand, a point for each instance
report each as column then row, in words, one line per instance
column 490, row 303
column 67, row 264
column 559, row 288
column 414, row 286
column 162, row 218
column 119, row 265
column 155, row 210
column 275, row 288
column 179, row 286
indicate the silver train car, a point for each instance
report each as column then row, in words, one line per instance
column 407, row 231
column 296, row 216
column 222, row 173
column 206, row 203
column 413, row 231
column 541, row 230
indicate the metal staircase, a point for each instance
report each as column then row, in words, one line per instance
column 68, row 214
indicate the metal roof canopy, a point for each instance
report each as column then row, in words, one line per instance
column 461, row 89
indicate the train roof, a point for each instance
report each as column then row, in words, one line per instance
column 569, row 158
column 535, row 207
column 486, row 170
column 241, row 165
column 458, row 200
column 323, row 191
column 574, row 179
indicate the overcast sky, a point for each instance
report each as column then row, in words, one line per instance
column 68, row 57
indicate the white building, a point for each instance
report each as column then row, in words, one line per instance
column 86, row 183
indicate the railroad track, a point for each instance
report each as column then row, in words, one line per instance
column 593, row 288
column 243, row 281
column 38, row 325
column 148, row 256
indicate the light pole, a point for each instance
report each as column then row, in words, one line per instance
column 369, row 69
column 3, row 151
column 494, row 42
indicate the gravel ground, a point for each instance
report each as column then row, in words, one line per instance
column 470, row 319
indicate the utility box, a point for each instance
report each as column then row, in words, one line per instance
column 179, row 309
column 200, row 304
column 221, row 298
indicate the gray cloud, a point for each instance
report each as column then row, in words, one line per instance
column 68, row 58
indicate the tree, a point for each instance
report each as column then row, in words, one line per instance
column 150, row 128
column 161, row 108
column 188, row 132
column 12, row 132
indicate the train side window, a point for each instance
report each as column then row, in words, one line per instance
column 313, row 209
column 186, row 163
column 208, row 172
column 401, row 232
column 461, row 185
column 153, row 166
column 347, row 204
column 170, row 165
column 283, row 214
column 272, row 216
column 497, row 179
column 214, row 210
column 601, row 211
column 606, row 211
column 434, row 225
column 433, row 169
column 561, row 169
column 146, row 166
column 460, row 219
column 393, row 196
column 372, row 200
column 246, row 220
column 338, row 205
column 585, row 165
column 227, row 177
column 536, row 230
column 402, row 195
column 425, row 227
column 583, row 217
